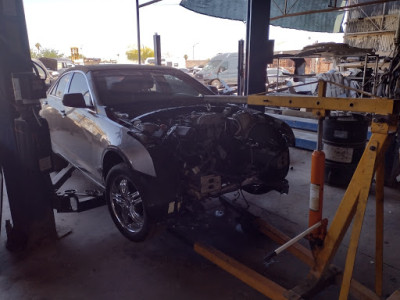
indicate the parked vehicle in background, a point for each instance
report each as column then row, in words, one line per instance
column 222, row 67
column 152, row 61
column 196, row 69
column 57, row 64
column 169, row 62
column 184, row 70
column 175, row 62
column 149, row 137
column 279, row 75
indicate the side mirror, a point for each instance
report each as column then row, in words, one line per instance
column 74, row 100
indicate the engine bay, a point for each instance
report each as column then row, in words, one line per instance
column 217, row 149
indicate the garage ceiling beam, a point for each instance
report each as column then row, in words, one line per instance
column 149, row 3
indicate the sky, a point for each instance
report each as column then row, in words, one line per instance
column 107, row 29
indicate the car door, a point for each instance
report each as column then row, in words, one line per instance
column 54, row 112
column 83, row 129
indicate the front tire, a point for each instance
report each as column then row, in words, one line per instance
column 125, row 193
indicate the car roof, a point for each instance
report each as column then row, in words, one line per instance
column 170, row 70
column 120, row 67
column 224, row 55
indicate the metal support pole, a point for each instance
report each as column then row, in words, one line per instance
column 375, row 75
column 259, row 49
column 364, row 74
column 157, row 49
column 194, row 45
column 240, row 79
column 138, row 32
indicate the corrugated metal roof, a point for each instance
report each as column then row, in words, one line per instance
column 225, row 9
column 319, row 22
column 237, row 10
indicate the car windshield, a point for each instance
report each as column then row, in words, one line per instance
column 126, row 86
column 213, row 64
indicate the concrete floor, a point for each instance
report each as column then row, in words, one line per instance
column 96, row 262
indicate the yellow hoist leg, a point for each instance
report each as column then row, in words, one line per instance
column 353, row 205
column 380, row 174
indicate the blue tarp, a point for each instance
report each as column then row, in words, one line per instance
column 237, row 10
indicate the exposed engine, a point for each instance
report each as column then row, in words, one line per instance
column 219, row 149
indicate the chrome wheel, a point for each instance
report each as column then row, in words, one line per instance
column 127, row 204
column 126, row 196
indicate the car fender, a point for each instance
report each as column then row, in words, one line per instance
column 135, row 155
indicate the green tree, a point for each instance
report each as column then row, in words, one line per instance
column 145, row 52
column 186, row 57
column 34, row 54
column 51, row 53
column 46, row 52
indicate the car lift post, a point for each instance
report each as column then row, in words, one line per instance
column 259, row 49
column 352, row 206
column 23, row 135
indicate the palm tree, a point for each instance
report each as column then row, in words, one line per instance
column 38, row 46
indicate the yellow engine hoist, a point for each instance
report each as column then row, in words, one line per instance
column 351, row 209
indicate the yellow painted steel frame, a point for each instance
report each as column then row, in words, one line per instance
column 352, row 206
column 354, row 202
column 381, row 106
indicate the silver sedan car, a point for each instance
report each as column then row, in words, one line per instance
column 151, row 140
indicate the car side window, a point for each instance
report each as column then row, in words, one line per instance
column 54, row 89
column 79, row 85
column 177, row 85
column 224, row 66
column 62, row 83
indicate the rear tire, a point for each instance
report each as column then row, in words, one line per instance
column 125, row 193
